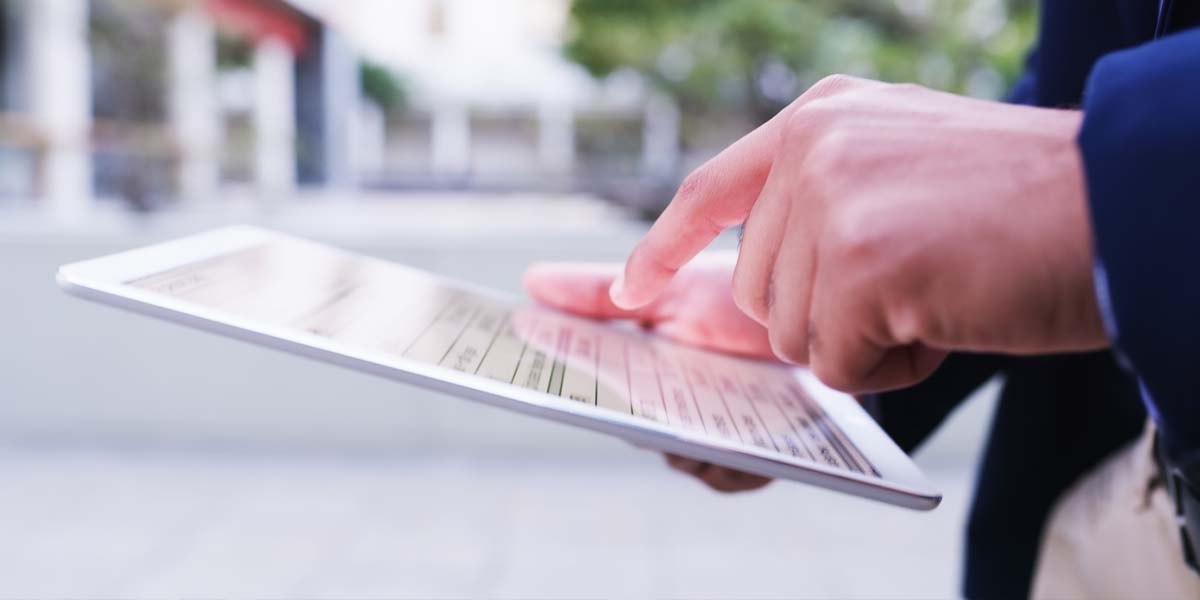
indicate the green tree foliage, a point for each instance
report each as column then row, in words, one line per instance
column 754, row 56
column 382, row 87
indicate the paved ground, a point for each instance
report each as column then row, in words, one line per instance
column 481, row 521
column 119, row 524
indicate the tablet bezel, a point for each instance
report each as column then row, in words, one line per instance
column 105, row 279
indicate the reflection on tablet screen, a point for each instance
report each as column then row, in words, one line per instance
column 377, row 306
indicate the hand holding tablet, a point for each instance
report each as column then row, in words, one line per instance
column 749, row 415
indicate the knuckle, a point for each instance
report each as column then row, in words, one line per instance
column 838, row 143
column 855, row 239
column 694, row 184
column 748, row 295
column 813, row 116
column 742, row 300
column 692, row 190
column 801, row 125
column 832, row 155
column 789, row 341
column 908, row 88
column 834, row 84
column 834, row 372
column 906, row 320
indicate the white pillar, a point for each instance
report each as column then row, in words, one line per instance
column 194, row 112
column 14, row 69
column 60, row 102
column 341, row 90
column 451, row 133
column 368, row 141
column 660, row 137
column 274, row 119
column 556, row 139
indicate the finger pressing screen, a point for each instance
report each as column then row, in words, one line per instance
column 715, row 197
column 580, row 288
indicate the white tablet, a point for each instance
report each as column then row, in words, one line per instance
column 418, row 328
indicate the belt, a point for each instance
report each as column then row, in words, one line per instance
column 1186, row 495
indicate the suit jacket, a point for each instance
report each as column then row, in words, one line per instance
column 1141, row 150
column 1059, row 416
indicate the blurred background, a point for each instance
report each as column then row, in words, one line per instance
column 469, row 137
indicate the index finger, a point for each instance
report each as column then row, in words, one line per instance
column 715, row 197
column 579, row 288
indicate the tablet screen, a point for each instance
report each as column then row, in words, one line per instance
column 373, row 305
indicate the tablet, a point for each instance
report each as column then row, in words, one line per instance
column 418, row 328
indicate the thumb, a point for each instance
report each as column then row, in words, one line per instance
column 579, row 288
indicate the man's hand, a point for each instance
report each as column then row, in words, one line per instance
column 719, row 478
column 695, row 308
column 887, row 225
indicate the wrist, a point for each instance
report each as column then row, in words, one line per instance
column 1079, row 304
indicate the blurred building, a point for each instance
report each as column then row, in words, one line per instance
column 192, row 102
column 127, row 98
column 494, row 103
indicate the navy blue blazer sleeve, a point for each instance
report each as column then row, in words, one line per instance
column 1140, row 144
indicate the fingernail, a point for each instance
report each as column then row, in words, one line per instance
column 617, row 290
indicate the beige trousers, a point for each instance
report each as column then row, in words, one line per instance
column 1114, row 535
